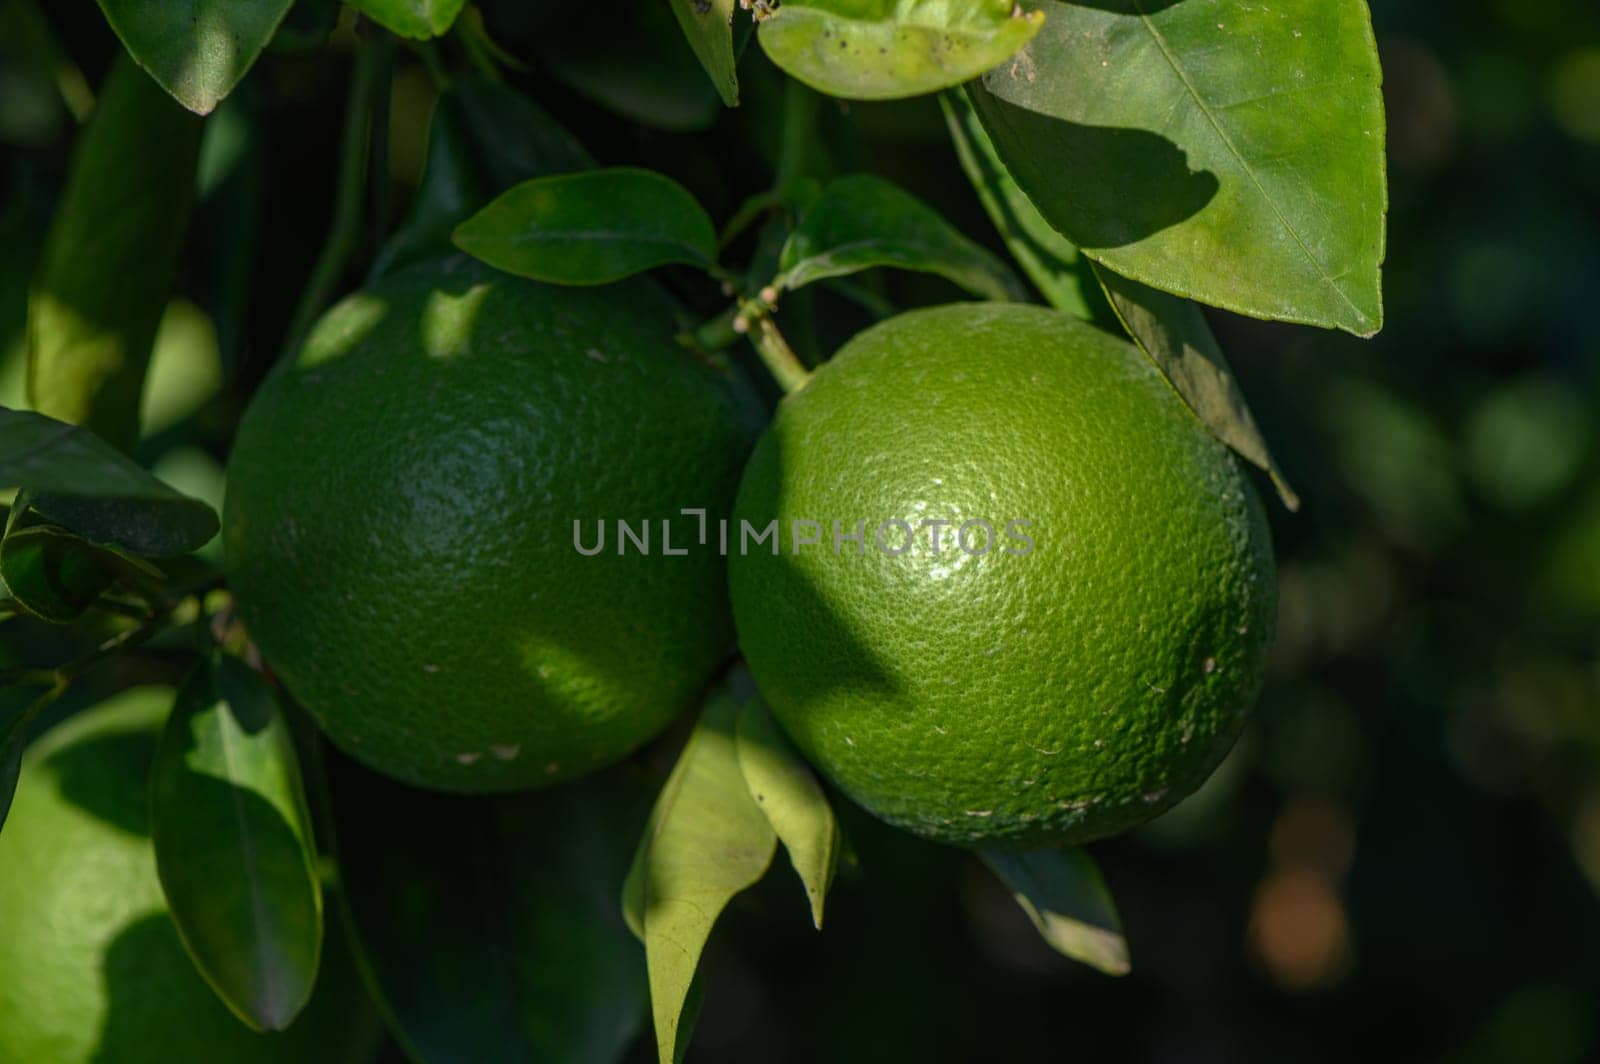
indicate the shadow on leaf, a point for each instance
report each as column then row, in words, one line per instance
column 1159, row 190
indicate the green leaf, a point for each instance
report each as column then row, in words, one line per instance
column 1064, row 896
column 708, row 27
column 862, row 221
column 1173, row 333
column 591, row 228
column 56, row 576
column 1230, row 153
column 100, row 289
column 417, row 19
column 1052, row 262
column 83, row 483
column 234, row 844
column 489, row 926
column 18, row 708
column 787, row 791
column 196, row 49
column 886, row 49
column 706, row 841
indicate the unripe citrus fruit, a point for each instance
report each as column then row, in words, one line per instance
column 1081, row 648
column 399, row 524
column 92, row 968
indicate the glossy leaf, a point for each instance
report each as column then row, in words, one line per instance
column 706, row 841
column 787, row 791
column 590, row 228
column 234, row 844
column 862, row 221
column 1053, row 263
column 488, row 926
column 1230, row 153
column 56, row 576
column 196, row 49
column 417, row 19
column 19, row 706
column 1064, row 896
column 108, row 264
column 84, row 484
column 708, row 27
column 884, row 49
column 1173, row 332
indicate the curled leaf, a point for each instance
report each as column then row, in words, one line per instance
column 706, row 841
column 1173, row 333
column 787, row 791
column 708, row 27
column 885, row 49
column 84, row 484
column 56, row 576
column 1064, row 896
column 417, row 19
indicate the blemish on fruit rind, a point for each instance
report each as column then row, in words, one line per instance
column 508, row 752
column 1152, row 797
column 468, row 758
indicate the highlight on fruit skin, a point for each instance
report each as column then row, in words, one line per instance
column 92, row 969
column 398, row 523
column 1087, row 662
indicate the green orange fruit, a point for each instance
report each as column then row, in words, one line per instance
column 1078, row 649
column 404, row 507
column 92, row 968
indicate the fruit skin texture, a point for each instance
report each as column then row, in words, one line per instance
column 1049, row 697
column 399, row 524
column 92, row 969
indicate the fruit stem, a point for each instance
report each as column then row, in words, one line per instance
column 719, row 333
column 780, row 360
column 373, row 60
column 799, row 119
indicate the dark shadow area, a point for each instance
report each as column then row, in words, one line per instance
column 152, row 988
column 1126, row 7
column 1108, row 187
column 791, row 600
column 159, row 1010
column 492, row 925
column 105, row 776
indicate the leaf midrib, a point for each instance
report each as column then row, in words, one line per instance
column 1222, row 135
column 260, row 912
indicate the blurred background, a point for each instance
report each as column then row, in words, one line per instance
column 1402, row 855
